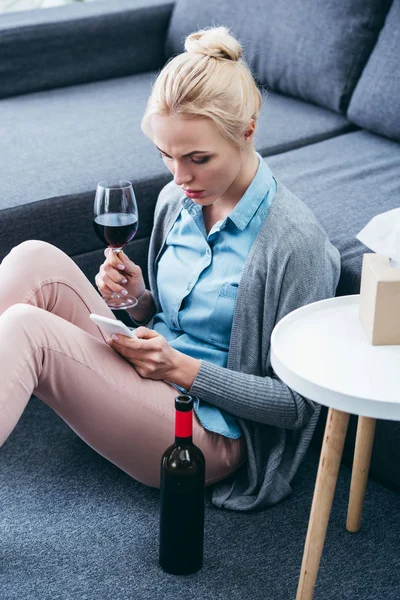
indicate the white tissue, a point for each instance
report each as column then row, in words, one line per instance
column 382, row 235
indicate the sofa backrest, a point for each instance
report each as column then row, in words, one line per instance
column 81, row 42
column 311, row 49
column 375, row 104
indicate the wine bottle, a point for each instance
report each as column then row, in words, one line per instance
column 182, row 490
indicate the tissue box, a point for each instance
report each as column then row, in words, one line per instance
column 380, row 300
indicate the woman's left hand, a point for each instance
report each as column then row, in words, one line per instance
column 151, row 354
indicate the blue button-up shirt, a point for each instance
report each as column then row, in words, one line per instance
column 198, row 277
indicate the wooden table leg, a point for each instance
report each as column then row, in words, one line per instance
column 329, row 463
column 359, row 477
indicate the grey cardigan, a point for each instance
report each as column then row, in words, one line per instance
column 291, row 263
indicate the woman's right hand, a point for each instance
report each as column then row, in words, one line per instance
column 112, row 280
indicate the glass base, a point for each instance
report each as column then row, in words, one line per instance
column 120, row 302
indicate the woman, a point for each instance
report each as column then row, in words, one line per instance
column 232, row 251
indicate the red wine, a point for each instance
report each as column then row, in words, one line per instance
column 182, row 497
column 116, row 229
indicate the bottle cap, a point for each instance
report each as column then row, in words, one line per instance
column 184, row 403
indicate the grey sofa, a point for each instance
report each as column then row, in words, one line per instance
column 74, row 82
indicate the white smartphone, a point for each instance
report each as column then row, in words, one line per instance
column 110, row 326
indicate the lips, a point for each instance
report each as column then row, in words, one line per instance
column 193, row 194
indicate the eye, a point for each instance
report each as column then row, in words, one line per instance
column 201, row 161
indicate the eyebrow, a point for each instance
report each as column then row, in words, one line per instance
column 185, row 155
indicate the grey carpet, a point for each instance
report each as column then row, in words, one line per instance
column 74, row 526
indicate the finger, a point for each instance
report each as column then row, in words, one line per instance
column 103, row 289
column 124, row 349
column 116, row 276
column 131, row 348
column 138, row 348
column 137, row 360
column 114, row 259
column 124, row 264
column 125, row 341
column 146, row 333
column 141, row 367
column 112, row 285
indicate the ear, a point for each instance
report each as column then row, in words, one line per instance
column 250, row 130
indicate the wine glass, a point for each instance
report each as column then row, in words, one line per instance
column 116, row 221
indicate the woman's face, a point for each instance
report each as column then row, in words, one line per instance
column 215, row 167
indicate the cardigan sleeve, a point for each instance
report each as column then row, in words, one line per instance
column 261, row 399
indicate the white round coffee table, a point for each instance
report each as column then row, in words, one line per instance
column 322, row 352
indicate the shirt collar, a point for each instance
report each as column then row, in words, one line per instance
column 249, row 202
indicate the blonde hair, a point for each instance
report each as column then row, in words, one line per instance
column 209, row 80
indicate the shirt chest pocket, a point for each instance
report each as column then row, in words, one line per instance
column 222, row 315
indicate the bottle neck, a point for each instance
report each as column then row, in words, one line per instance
column 183, row 427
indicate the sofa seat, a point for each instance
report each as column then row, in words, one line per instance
column 56, row 146
column 354, row 177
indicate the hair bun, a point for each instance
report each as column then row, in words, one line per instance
column 214, row 41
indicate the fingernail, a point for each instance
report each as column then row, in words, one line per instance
column 124, row 280
column 114, row 337
column 124, row 292
column 108, row 341
column 121, row 267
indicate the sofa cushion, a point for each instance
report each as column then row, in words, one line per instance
column 345, row 181
column 375, row 103
column 80, row 42
column 286, row 123
column 311, row 50
column 56, row 146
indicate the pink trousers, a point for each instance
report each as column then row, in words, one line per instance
column 50, row 348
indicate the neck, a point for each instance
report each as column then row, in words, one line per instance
column 184, row 426
column 240, row 185
column 183, row 441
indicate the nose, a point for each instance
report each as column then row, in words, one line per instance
column 181, row 174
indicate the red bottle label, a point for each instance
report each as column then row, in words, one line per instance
column 183, row 423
